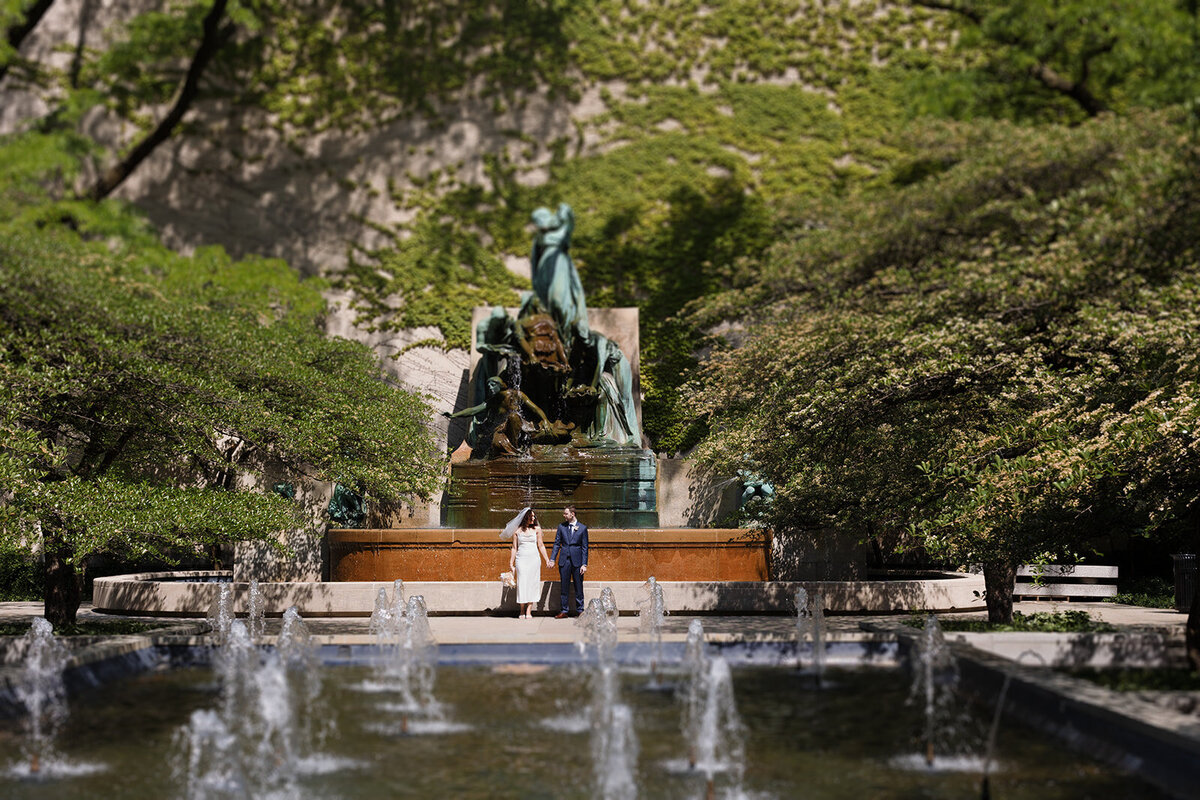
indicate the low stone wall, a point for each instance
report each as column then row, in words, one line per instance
column 479, row 554
column 1073, row 650
column 1160, row 745
column 153, row 593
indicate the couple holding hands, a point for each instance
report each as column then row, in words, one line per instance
column 529, row 549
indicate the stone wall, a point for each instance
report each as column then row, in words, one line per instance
column 688, row 497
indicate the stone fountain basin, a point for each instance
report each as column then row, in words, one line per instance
column 192, row 593
column 868, row 710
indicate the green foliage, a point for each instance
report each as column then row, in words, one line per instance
column 1125, row 54
column 140, row 386
column 994, row 362
column 344, row 65
column 1146, row 592
column 681, row 183
column 143, row 67
column 352, row 64
column 20, row 575
column 440, row 274
column 712, row 115
column 1039, row 622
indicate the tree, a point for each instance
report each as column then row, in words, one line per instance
column 136, row 381
column 1063, row 60
column 994, row 360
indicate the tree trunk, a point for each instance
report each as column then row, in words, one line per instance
column 62, row 584
column 999, row 578
column 1192, row 632
column 215, row 36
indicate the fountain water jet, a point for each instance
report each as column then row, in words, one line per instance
column 398, row 603
column 810, row 622
column 712, row 729
column 614, row 743
column 718, row 735
column 246, row 748
column 235, row 663
column 268, row 724
column 380, row 625
column 945, row 722
column 608, row 602
column 935, row 675
column 651, row 618
column 210, row 766
column 298, row 653
column 256, row 617
column 695, row 662
column 41, row 690
column 220, row 614
column 599, row 623
column 407, row 666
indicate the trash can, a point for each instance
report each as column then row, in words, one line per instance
column 1185, row 580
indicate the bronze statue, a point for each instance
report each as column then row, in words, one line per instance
column 576, row 381
column 539, row 340
column 510, row 431
column 555, row 281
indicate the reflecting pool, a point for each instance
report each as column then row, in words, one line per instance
column 525, row 731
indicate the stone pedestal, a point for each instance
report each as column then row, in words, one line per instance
column 609, row 487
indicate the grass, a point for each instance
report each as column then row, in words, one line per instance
column 1041, row 621
column 1146, row 592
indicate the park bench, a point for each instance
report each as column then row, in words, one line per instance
column 1085, row 582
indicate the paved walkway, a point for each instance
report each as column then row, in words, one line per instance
column 764, row 627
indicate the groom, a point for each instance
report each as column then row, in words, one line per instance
column 572, row 541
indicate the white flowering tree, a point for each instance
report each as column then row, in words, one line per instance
column 995, row 360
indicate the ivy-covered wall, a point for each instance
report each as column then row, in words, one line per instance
column 401, row 153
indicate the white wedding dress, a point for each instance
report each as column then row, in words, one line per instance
column 529, row 567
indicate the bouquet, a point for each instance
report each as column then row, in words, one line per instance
column 507, row 580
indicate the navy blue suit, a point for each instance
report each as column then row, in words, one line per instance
column 573, row 546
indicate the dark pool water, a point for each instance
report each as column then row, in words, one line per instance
column 513, row 732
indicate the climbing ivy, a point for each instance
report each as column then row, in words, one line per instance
column 710, row 114
column 713, row 113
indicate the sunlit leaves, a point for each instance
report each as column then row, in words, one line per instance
column 140, row 387
column 995, row 361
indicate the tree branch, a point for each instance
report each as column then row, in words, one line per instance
column 1075, row 90
column 215, row 36
column 18, row 31
column 1041, row 72
column 951, row 6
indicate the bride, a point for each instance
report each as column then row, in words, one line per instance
column 523, row 559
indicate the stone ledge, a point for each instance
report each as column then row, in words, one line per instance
column 150, row 593
column 1159, row 744
column 1072, row 650
column 489, row 536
